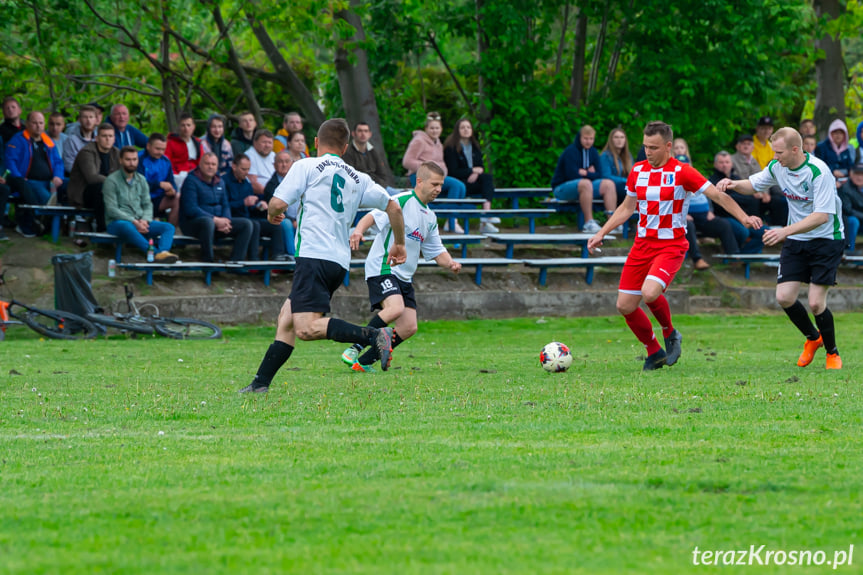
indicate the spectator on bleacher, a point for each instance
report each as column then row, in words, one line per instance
column 246, row 204
column 214, row 141
column 426, row 147
column 129, row 211
column 463, row 158
column 578, row 177
column 56, row 124
column 810, row 142
column 807, row 127
column 860, row 143
column 616, row 161
column 291, row 124
column 184, row 149
column 680, row 151
column 35, row 170
column 772, row 205
column 4, row 191
column 157, row 170
column 851, row 194
column 12, row 123
column 762, row 149
column 206, row 213
column 125, row 134
column 74, row 128
column 262, row 160
column 364, row 157
column 85, row 134
column 283, row 165
column 94, row 163
column 749, row 240
column 241, row 138
column 835, row 151
column 297, row 146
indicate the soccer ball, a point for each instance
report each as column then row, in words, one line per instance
column 555, row 357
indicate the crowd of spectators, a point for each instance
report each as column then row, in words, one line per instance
column 228, row 195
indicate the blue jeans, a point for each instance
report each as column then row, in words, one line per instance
column 126, row 231
column 288, row 230
column 568, row 191
column 749, row 240
column 852, row 226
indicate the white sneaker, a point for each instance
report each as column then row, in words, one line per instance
column 591, row 227
column 488, row 228
column 457, row 229
column 494, row 220
column 618, row 231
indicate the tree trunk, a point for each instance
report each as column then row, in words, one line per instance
column 483, row 112
column 576, row 83
column 618, row 48
column 597, row 54
column 355, row 83
column 830, row 95
column 289, row 80
column 237, row 67
column 170, row 90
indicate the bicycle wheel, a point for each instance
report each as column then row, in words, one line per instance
column 186, row 328
column 134, row 324
column 58, row 324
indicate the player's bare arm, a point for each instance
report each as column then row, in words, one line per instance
column 730, row 206
column 623, row 212
column 810, row 222
column 276, row 210
column 398, row 253
column 739, row 186
column 363, row 226
column 445, row 261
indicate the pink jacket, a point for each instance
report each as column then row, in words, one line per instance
column 423, row 149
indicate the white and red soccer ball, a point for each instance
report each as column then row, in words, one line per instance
column 555, row 357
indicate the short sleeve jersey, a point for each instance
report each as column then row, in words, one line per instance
column 329, row 193
column 421, row 236
column 808, row 188
column 663, row 197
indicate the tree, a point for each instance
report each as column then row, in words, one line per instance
column 829, row 70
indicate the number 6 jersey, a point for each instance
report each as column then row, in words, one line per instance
column 329, row 192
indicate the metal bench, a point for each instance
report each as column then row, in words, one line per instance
column 207, row 268
column 477, row 263
column 565, row 206
column 515, row 194
column 531, row 214
column 748, row 260
column 510, row 240
column 56, row 213
column 588, row 263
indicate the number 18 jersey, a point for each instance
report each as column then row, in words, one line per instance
column 329, row 192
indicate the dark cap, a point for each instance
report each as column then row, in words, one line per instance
column 97, row 106
column 744, row 138
column 857, row 167
column 765, row 121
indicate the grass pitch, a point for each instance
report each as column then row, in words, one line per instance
column 137, row 456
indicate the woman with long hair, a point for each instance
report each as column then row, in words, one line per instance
column 426, row 147
column 463, row 158
column 214, row 141
column 616, row 161
column 297, row 146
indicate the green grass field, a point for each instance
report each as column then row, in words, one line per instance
column 137, row 456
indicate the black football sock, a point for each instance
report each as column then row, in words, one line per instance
column 828, row 330
column 371, row 356
column 377, row 323
column 340, row 330
column 799, row 317
column 276, row 356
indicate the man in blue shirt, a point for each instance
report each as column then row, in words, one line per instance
column 126, row 134
column 157, row 171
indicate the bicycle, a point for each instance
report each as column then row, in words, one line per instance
column 145, row 320
column 56, row 324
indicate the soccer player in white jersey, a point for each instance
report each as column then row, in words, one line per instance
column 329, row 193
column 814, row 238
column 660, row 188
column 391, row 289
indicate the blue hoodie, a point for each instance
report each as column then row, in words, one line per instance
column 574, row 158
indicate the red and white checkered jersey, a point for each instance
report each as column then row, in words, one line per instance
column 663, row 197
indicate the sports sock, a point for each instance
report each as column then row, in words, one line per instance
column 799, row 317
column 371, row 355
column 640, row 325
column 377, row 323
column 276, row 356
column 662, row 312
column 340, row 330
column 828, row 330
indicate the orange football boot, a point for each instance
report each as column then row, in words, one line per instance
column 809, row 349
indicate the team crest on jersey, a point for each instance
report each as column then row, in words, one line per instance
column 667, row 179
column 416, row 235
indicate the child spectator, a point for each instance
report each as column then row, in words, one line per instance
column 214, row 141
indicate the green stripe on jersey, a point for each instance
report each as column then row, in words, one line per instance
column 385, row 267
column 770, row 168
column 299, row 228
column 837, row 233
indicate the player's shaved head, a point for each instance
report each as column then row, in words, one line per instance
column 659, row 128
column 334, row 133
column 426, row 169
column 790, row 136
